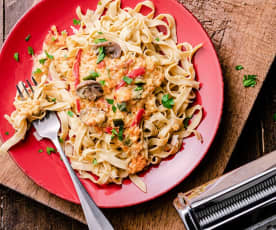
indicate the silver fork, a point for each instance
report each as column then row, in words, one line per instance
column 48, row 127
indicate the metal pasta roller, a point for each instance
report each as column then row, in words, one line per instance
column 242, row 199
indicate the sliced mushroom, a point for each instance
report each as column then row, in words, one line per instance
column 112, row 49
column 90, row 90
column 92, row 116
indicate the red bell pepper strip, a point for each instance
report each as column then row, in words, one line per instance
column 133, row 74
column 78, row 105
column 76, row 68
column 138, row 117
column 101, row 65
column 108, row 130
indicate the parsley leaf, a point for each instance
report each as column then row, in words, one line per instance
column 7, row 133
column 274, row 117
column 122, row 106
column 114, row 132
column 167, row 102
column 49, row 56
column 114, row 109
column 37, row 71
column 92, row 76
column 95, row 162
column 16, row 56
column 120, row 134
column 50, row 150
column 42, row 61
column 63, row 32
column 127, row 80
column 54, row 99
column 109, row 101
column 76, row 22
column 28, row 38
column 70, row 113
column 40, row 150
column 249, row 80
column 100, row 32
column 102, row 82
column 138, row 88
column 60, row 140
column 30, row 50
column 157, row 39
column 239, row 67
column 101, row 55
column 186, row 122
column 54, row 39
column 100, row 40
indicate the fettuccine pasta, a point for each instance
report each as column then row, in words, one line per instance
column 123, row 89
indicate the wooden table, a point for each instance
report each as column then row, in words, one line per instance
column 258, row 137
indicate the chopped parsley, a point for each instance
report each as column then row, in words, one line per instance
column 138, row 88
column 114, row 109
column 95, row 162
column 157, row 39
column 120, row 134
column 16, row 56
column 7, row 133
column 42, row 61
column 53, row 99
column 54, row 39
column 76, row 22
column 274, row 117
column 100, row 32
column 122, row 106
column 101, row 55
column 114, row 132
column 60, row 140
column 239, row 67
column 92, row 76
column 37, row 71
column 49, row 55
column 28, row 38
column 102, row 82
column 127, row 80
column 63, row 32
column 50, row 150
column 30, row 50
column 70, row 113
column 99, row 40
column 167, row 101
column 40, row 150
column 109, row 101
column 249, row 80
column 186, row 122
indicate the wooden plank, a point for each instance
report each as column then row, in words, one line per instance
column 230, row 24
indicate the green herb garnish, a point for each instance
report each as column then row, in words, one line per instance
column 60, row 140
column 70, row 113
column 186, row 122
column 99, row 3
column 127, row 80
column 138, row 88
column 109, row 101
column 49, row 55
column 7, row 133
column 114, row 109
column 101, row 55
column 37, row 71
column 63, row 32
column 42, row 61
column 95, row 162
column 157, row 39
column 102, row 82
column 99, row 40
column 50, row 150
column 249, row 80
column 274, row 117
column 16, row 56
column 28, row 38
column 239, row 67
column 100, row 32
column 76, row 22
column 92, row 76
column 118, row 123
column 54, row 39
column 114, row 132
column 40, row 150
column 122, row 106
column 53, row 99
column 167, row 102
column 30, row 50
column 120, row 134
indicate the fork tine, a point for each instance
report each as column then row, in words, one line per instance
column 34, row 81
column 30, row 86
column 26, row 90
column 19, row 91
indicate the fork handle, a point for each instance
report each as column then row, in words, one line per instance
column 94, row 216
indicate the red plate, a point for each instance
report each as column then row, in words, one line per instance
column 48, row 171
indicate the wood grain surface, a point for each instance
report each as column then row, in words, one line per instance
column 243, row 32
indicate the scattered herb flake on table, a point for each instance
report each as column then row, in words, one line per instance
column 239, row 67
column 28, row 38
column 249, row 80
column 16, row 56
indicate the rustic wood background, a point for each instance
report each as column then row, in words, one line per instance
column 243, row 32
